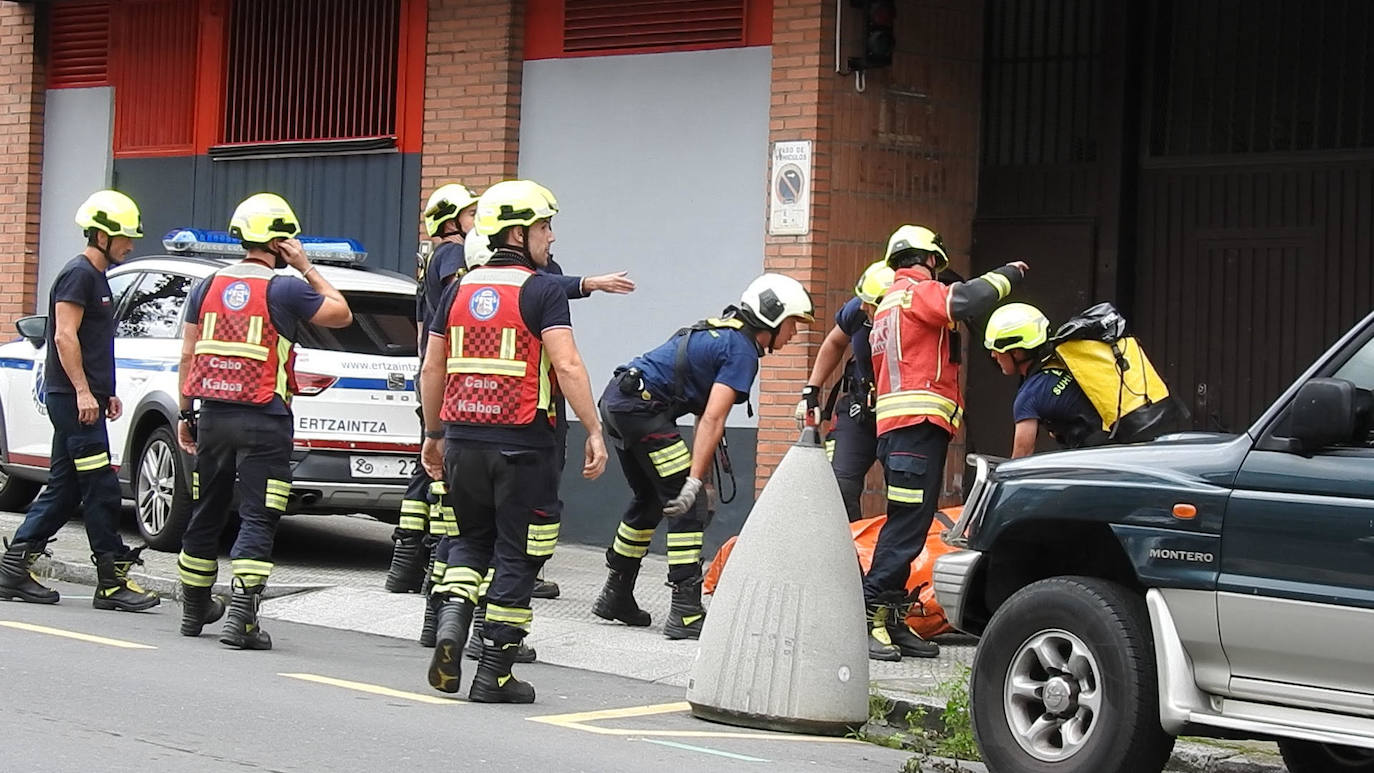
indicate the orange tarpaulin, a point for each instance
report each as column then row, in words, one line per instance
column 927, row 617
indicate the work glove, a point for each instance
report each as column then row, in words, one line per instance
column 810, row 404
column 684, row 499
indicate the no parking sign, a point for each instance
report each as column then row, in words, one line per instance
column 790, row 211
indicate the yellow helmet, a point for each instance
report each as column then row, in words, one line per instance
column 262, row 217
column 444, row 205
column 1016, row 326
column 873, row 282
column 112, row 212
column 513, row 202
column 917, row 237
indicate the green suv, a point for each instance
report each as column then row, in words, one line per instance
column 1202, row 584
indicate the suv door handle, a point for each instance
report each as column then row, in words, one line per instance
column 1367, row 543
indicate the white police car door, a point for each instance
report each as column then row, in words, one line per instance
column 28, row 431
column 147, row 346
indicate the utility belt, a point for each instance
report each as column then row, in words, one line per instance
column 630, row 382
column 862, row 403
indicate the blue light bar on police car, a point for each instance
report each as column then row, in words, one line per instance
column 319, row 249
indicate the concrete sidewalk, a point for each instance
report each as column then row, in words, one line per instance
column 565, row 631
column 347, row 596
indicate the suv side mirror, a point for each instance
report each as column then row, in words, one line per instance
column 35, row 329
column 1325, row 413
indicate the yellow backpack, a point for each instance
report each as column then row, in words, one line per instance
column 1116, row 375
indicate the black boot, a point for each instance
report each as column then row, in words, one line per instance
column 880, row 646
column 524, row 654
column 544, row 589
column 907, row 641
column 617, row 599
column 494, row 682
column 479, row 618
column 198, row 609
column 451, row 633
column 430, row 625
column 431, row 603
column 17, row 580
column 408, row 561
column 114, row 589
column 686, row 615
column 241, row 629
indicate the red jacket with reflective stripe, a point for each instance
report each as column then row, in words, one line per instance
column 240, row 356
column 497, row 370
column 914, row 370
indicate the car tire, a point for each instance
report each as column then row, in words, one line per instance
column 1064, row 681
column 17, row 493
column 162, row 495
column 1314, row 757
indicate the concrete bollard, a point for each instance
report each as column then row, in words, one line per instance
column 784, row 646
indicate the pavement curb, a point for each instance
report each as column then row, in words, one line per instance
column 84, row 574
column 1187, row 756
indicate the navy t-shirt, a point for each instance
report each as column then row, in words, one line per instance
column 1053, row 398
column 717, row 356
column 83, row 284
column 853, row 322
column 446, row 261
column 543, row 307
column 572, row 286
column 291, row 301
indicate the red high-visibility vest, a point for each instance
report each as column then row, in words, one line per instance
column 497, row 371
column 916, row 376
column 240, row 357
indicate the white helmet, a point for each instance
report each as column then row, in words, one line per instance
column 772, row 298
column 476, row 249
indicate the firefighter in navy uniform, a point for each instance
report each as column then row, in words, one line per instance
column 576, row 288
column 853, row 442
column 448, row 218
column 478, row 251
column 703, row 369
column 79, row 396
column 916, row 355
column 237, row 358
column 500, row 344
column 1017, row 337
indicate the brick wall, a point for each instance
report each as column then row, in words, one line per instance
column 801, row 108
column 905, row 150
column 21, row 160
column 473, row 68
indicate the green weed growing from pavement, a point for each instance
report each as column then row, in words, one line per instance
column 957, row 741
column 878, row 707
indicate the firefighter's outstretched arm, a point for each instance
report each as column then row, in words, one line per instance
column 979, row 295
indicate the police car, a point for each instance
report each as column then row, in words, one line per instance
column 356, row 428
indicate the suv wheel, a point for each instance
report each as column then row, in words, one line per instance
column 162, row 496
column 1313, row 757
column 1064, row 681
column 16, row 493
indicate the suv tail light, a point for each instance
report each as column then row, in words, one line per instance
column 310, row 384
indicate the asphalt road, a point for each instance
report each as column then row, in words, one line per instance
column 140, row 697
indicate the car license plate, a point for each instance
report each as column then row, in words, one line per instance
column 383, row 466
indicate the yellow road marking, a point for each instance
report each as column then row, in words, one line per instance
column 86, row 637
column 374, row 689
column 579, row 721
column 633, row 711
